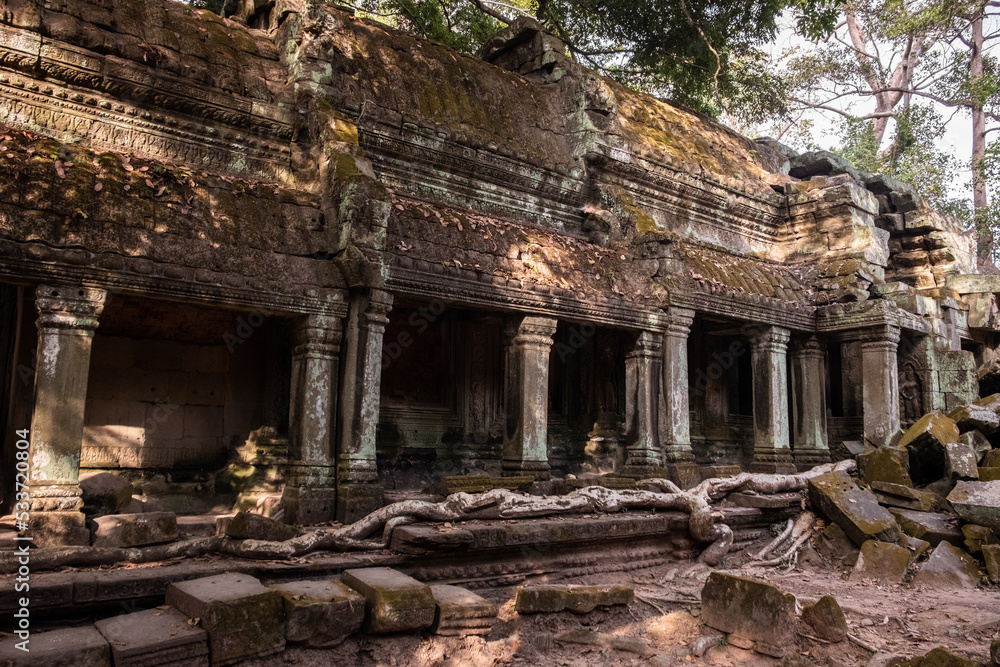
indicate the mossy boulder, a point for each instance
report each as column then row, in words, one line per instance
column 948, row 567
column 394, row 602
column 991, row 558
column 827, row 619
column 939, row 657
column 977, row 536
column 885, row 464
column 897, row 495
column 753, row 609
column 926, row 442
column 975, row 417
column 855, row 510
column 882, row 562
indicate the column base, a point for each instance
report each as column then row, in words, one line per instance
column 59, row 529
column 720, row 471
column 685, row 474
column 355, row 501
column 540, row 469
column 642, row 471
column 810, row 458
column 308, row 505
column 774, row 467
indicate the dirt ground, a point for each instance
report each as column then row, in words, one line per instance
column 663, row 627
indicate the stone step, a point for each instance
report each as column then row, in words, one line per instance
column 66, row 647
column 320, row 614
column 461, row 612
column 155, row 638
column 394, row 602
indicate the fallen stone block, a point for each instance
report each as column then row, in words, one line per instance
column 320, row 614
column 939, row 657
column 882, row 561
column 977, row 502
column 980, row 445
column 916, row 547
column 827, row 619
column 603, row 639
column 897, row 495
column 579, row 599
column 991, row 459
column 249, row 526
column 833, row 543
column 992, row 402
column 933, row 527
column 960, row 462
column 394, row 602
column 243, row 617
column 155, row 638
column 134, row 530
column 855, row 510
column 462, row 612
column 925, row 441
column 105, row 493
column 975, row 417
column 68, row 647
column 948, row 567
column 977, row 536
column 752, row 609
column 991, row 557
column 989, row 474
column 885, row 464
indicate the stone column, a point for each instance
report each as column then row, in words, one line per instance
column 642, row 389
column 809, row 441
column 67, row 318
column 880, row 384
column 526, row 396
column 358, row 490
column 310, row 495
column 675, row 412
column 768, row 346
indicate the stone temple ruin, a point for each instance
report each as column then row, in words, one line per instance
column 296, row 262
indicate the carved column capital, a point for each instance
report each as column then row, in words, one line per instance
column 318, row 335
column 376, row 312
column 69, row 307
column 807, row 347
column 535, row 331
column 679, row 321
column 648, row 345
column 879, row 337
column 764, row 338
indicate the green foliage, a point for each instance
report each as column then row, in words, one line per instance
column 701, row 53
column 215, row 6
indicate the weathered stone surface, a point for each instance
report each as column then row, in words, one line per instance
column 939, row 657
column 980, row 445
column 977, row 536
column 995, row 651
column 855, row 510
column 134, row 530
column 834, row 543
column 975, row 417
column 960, row 462
column 897, row 495
column 826, row 618
column 819, row 163
column 991, row 459
column 925, row 441
column 885, row 464
column 155, row 638
column 948, row 567
column 933, row 527
column 461, row 612
column 882, row 561
column 249, row 526
column 991, row 558
column 243, row 618
column 916, row 547
column 394, row 601
column 320, row 613
column 753, row 609
column 989, row 474
column 69, row 647
column 105, row 493
column 579, row 599
column 977, row 502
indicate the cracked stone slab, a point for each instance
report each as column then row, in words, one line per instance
column 68, row 647
column 243, row 617
column 575, row 598
column 155, row 638
column 394, row 602
column 755, row 610
column 977, row 502
column 320, row 614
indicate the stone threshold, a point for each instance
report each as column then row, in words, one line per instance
column 490, row 552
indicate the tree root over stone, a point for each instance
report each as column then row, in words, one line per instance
column 495, row 504
column 505, row 504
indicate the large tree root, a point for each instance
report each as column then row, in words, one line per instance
column 375, row 530
column 504, row 504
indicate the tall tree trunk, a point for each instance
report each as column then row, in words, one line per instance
column 979, row 202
